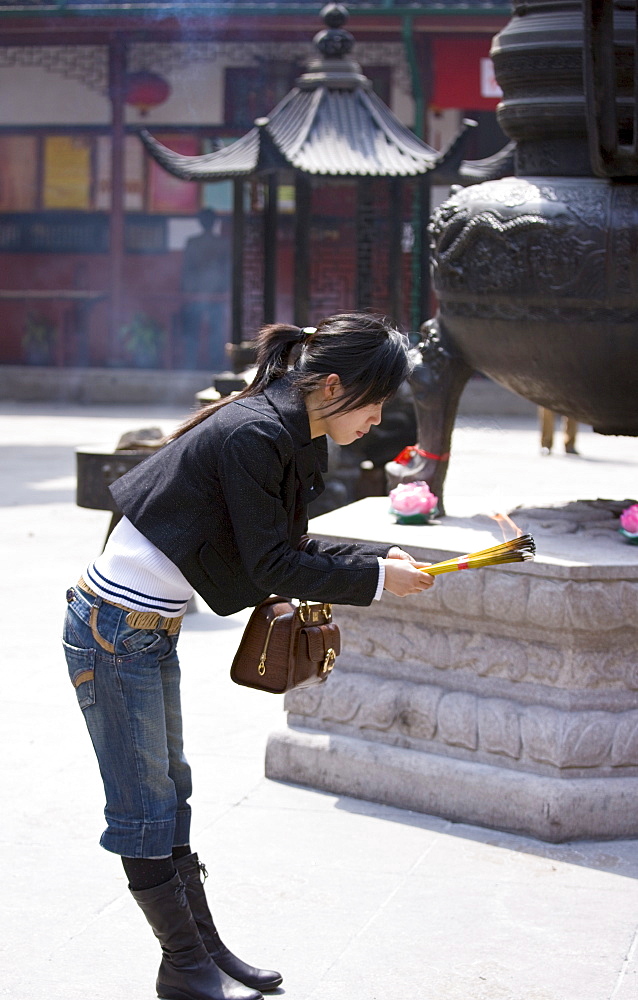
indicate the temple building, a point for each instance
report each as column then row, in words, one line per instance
column 93, row 228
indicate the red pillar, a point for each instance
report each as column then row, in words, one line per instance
column 117, row 94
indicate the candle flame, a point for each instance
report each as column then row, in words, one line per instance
column 504, row 521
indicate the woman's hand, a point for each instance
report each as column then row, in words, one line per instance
column 403, row 574
column 397, row 553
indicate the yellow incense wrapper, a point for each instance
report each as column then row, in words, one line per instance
column 517, row 550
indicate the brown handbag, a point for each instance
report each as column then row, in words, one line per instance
column 285, row 647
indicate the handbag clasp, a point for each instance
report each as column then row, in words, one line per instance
column 328, row 661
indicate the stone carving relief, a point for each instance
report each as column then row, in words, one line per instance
column 418, row 713
column 517, row 627
column 499, row 725
column 565, row 739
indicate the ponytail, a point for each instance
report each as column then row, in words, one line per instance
column 275, row 344
column 370, row 356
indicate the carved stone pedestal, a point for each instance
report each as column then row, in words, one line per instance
column 505, row 697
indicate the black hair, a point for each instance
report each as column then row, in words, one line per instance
column 368, row 354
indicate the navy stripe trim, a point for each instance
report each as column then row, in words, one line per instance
column 137, row 593
column 153, row 603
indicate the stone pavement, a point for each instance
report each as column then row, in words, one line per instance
column 351, row 900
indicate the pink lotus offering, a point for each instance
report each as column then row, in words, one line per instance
column 629, row 523
column 413, row 503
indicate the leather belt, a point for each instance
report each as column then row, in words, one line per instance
column 139, row 619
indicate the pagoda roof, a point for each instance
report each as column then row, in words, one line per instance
column 330, row 124
column 491, row 168
column 331, row 133
column 456, row 170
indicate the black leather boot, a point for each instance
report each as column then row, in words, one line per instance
column 186, row 972
column 191, row 870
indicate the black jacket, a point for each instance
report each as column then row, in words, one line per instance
column 227, row 503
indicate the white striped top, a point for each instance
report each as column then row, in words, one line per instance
column 133, row 572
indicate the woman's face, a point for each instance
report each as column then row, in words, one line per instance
column 345, row 427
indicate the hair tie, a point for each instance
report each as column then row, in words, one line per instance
column 307, row 331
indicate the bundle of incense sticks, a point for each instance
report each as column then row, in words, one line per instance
column 517, row 550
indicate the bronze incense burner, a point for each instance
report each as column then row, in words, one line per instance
column 537, row 274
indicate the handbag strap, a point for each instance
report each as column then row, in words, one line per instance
column 315, row 613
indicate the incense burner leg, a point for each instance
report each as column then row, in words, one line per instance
column 437, row 383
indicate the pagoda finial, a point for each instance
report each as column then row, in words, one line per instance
column 333, row 68
column 334, row 42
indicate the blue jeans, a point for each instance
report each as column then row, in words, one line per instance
column 131, row 704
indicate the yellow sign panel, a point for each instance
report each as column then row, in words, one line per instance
column 67, row 172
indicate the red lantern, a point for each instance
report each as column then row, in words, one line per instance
column 145, row 90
